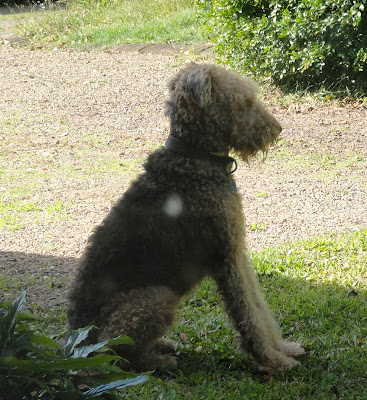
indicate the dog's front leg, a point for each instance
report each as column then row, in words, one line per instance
column 260, row 334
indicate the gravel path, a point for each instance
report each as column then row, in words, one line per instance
column 75, row 127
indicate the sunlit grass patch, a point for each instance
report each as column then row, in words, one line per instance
column 12, row 214
column 323, row 163
column 336, row 259
column 9, row 214
column 260, row 226
column 105, row 23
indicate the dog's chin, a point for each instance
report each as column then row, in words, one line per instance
column 246, row 156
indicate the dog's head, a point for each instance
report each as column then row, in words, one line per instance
column 214, row 109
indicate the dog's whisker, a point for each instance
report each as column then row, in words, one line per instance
column 265, row 155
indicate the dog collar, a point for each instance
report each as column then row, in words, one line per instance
column 221, row 159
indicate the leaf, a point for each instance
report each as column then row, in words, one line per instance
column 17, row 342
column 104, row 378
column 41, row 384
column 43, row 347
column 74, row 339
column 45, row 341
column 23, row 366
column 121, row 384
column 69, row 395
column 26, row 316
column 122, row 339
column 7, row 321
column 82, row 363
column 86, row 350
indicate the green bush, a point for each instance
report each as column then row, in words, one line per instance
column 34, row 366
column 24, row 2
column 298, row 44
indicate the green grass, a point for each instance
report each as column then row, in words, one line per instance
column 86, row 23
column 323, row 164
column 318, row 290
column 261, row 226
column 12, row 214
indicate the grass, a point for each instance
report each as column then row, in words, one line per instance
column 324, row 163
column 12, row 214
column 318, row 290
column 87, row 23
column 258, row 226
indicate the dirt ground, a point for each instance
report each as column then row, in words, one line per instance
column 76, row 126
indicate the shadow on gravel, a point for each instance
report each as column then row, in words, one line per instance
column 45, row 277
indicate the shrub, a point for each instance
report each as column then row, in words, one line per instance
column 34, row 366
column 298, row 44
column 24, row 2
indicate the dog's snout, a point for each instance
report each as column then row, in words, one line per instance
column 278, row 128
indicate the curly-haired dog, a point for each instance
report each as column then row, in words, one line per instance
column 182, row 220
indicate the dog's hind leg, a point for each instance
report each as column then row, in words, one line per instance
column 260, row 334
column 145, row 316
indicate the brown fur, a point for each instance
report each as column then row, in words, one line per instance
column 179, row 221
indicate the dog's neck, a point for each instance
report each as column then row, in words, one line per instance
column 221, row 159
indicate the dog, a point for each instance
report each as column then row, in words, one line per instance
column 179, row 222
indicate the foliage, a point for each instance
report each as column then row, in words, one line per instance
column 17, row 2
column 299, row 44
column 34, row 366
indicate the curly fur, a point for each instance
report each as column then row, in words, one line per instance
column 179, row 221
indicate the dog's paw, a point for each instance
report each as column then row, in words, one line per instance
column 154, row 362
column 292, row 349
column 161, row 362
column 274, row 361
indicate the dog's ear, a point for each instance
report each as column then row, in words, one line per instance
column 199, row 87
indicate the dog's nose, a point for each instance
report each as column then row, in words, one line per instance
column 278, row 126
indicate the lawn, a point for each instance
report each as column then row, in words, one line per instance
column 88, row 23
